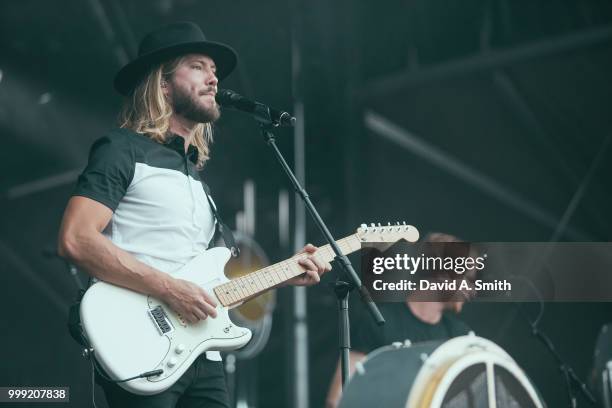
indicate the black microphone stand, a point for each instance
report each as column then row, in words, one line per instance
column 342, row 288
column 567, row 371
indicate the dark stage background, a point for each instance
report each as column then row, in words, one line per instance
column 489, row 120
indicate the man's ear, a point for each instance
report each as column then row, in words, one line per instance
column 164, row 86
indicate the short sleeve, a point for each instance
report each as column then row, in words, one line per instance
column 109, row 171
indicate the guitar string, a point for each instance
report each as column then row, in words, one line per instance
column 236, row 291
column 236, row 294
column 235, row 286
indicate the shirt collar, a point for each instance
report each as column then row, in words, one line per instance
column 177, row 143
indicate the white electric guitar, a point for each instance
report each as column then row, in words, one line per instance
column 133, row 335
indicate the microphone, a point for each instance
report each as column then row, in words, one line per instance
column 260, row 112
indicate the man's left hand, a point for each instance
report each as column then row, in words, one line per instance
column 312, row 265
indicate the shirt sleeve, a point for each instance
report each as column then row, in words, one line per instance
column 109, row 171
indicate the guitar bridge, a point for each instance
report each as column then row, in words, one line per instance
column 160, row 319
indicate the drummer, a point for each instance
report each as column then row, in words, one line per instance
column 417, row 321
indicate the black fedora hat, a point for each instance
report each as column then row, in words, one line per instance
column 168, row 42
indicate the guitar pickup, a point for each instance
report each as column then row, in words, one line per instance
column 160, row 319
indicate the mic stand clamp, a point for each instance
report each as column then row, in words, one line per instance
column 342, row 289
column 340, row 258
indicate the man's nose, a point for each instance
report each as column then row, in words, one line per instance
column 212, row 80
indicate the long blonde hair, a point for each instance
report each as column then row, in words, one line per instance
column 148, row 112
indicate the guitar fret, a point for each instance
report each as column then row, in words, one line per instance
column 252, row 285
column 238, row 289
column 258, row 282
column 296, row 270
column 277, row 274
column 260, row 279
column 271, row 278
column 283, row 273
column 228, row 292
column 264, row 278
column 287, row 270
column 234, row 292
column 221, row 295
column 241, row 289
column 280, row 273
column 247, row 286
column 224, row 298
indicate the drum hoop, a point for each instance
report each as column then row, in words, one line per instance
column 450, row 351
column 435, row 391
column 451, row 356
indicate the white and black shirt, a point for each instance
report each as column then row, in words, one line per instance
column 161, row 214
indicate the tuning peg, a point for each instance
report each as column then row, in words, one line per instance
column 364, row 226
column 372, row 225
column 379, row 224
column 388, row 224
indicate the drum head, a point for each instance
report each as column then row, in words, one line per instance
column 387, row 376
column 464, row 372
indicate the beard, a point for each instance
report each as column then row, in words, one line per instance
column 192, row 108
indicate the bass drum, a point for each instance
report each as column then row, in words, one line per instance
column 464, row 372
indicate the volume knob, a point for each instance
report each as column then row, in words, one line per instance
column 172, row 362
column 179, row 348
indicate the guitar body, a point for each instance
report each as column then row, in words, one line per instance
column 132, row 333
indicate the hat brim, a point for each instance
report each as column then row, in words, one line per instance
column 128, row 77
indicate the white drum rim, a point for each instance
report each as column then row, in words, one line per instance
column 492, row 360
column 450, row 351
column 457, row 363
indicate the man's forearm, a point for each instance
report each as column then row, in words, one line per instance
column 99, row 257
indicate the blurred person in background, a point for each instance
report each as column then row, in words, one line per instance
column 424, row 316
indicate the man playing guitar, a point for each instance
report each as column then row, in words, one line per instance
column 140, row 211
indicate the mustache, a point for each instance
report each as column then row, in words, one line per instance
column 207, row 90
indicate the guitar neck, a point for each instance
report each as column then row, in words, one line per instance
column 240, row 289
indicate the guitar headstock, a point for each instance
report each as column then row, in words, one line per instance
column 387, row 233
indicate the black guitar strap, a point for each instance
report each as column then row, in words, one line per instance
column 220, row 227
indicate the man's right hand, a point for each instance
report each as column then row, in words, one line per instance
column 189, row 300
